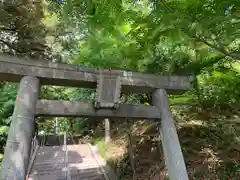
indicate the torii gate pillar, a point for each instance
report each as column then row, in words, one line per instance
column 17, row 151
column 170, row 142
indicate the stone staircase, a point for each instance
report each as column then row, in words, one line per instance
column 49, row 164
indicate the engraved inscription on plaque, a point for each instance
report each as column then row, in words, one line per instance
column 108, row 89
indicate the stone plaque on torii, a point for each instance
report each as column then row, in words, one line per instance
column 108, row 89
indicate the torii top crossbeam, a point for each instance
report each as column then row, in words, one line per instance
column 13, row 68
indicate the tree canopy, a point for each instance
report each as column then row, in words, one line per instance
column 174, row 36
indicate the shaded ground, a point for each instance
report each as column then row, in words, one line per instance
column 210, row 146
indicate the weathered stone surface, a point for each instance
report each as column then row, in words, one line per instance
column 83, row 109
column 170, row 142
column 13, row 68
column 107, row 130
column 108, row 89
column 17, row 151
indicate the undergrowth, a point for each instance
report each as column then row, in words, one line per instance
column 209, row 141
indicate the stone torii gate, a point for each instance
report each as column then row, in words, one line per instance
column 108, row 83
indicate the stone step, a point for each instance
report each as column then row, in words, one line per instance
column 73, row 177
column 84, row 146
column 49, row 167
column 74, row 173
column 57, row 150
column 71, row 160
column 91, row 171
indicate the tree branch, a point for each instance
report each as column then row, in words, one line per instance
column 166, row 6
column 10, row 46
column 8, row 29
column 232, row 55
